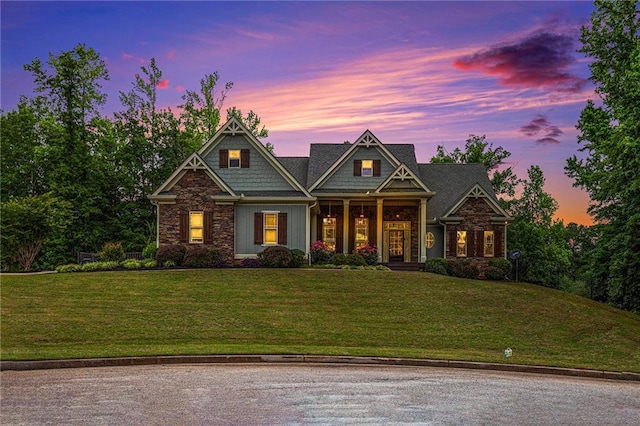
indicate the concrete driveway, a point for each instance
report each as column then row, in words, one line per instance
column 311, row 394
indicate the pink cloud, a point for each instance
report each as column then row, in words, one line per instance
column 127, row 56
column 171, row 54
column 180, row 88
column 163, row 84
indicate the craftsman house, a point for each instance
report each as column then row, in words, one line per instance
column 235, row 195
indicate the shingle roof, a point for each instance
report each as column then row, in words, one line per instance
column 406, row 154
column 450, row 182
column 321, row 158
column 297, row 166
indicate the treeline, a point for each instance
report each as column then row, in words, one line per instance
column 73, row 179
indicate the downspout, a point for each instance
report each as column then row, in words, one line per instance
column 155, row 203
column 308, row 237
column 444, row 239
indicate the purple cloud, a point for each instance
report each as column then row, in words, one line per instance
column 541, row 124
column 539, row 60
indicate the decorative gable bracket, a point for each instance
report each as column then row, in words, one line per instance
column 368, row 140
column 233, row 128
column 403, row 173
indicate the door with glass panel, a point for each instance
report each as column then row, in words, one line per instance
column 396, row 246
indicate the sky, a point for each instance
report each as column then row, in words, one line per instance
column 427, row 73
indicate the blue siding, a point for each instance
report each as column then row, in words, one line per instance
column 438, row 248
column 259, row 176
column 296, row 226
column 343, row 178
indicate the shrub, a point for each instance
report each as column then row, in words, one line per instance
column 463, row 268
column 149, row 263
column 169, row 264
column 369, row 253
column 99, row 266
column 73, row 267
column 217, row 259
column 494, row 274
column 198, row 257
column 132, row 264
column 111, row 252
column 174, row 253
column 356, row 259
column 298, row 258
column 276, row 257
column 149, row 251
column 504, row 265
column 339, row 259
column 319, row 252
column 250, row 262
column 436, row 265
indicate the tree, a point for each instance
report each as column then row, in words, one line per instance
column 534, row 205
column 478, row 150
column 610, row 143
column 25, row 224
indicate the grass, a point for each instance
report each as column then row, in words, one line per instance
column 418, row 315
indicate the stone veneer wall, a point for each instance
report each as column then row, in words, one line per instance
column 193, row 193
column 477, row 214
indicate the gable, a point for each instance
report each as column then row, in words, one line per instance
column 403, row 179
column 476, row 192
column 257, row 172
column 340, row 173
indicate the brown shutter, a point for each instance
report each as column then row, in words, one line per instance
column 357, row 167
column 184, row 227
column 480, row 243
column 377, row 165
column 452, row 243
column 282, row 228
column 244, row 158
column 224, row 159
column 208, row 227
column 339, row 231
column 471, row 243
column 498, row 243
column 258, row 230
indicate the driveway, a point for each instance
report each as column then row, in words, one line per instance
column 311, row 394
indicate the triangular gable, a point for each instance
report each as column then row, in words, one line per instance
column 403, row 173
column 477, row 191
column 367, row 140
column 193, row 162
column 235, row 127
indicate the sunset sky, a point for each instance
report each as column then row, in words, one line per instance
column 427, row 73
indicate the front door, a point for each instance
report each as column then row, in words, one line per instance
column 396, row 246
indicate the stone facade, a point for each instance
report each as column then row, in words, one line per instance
column 477, row 214
column 194, row 192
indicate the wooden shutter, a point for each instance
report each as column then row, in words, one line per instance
column 480, row 243
column 258, row 230
column 452, row 243
column 184, row 227
column 339, row 233
column 224, row 159
column 357, row 167
column 208, row 227
column 282, row 228
column 377, row 165
column 498, row 238
column 244, row 158
column 471, row 243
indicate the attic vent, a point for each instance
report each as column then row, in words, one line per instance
column 233, row 128
column 477, row 192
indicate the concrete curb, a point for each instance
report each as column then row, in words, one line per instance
column 309, row 359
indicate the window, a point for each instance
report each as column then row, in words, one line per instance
column 488, row 243
column 234, row 158
column 271, row 228
column 461, row 250
column 362, row 232
column 429, row 240
column 196, row 227
column 367, row 168
column 329, row 232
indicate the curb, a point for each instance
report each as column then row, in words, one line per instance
column 310, row 359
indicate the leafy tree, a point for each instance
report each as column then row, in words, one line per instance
column 21, row 153
column 201, row 110
column 610, row 141
column 25, row 223
column 534, row 205
column 478, row 150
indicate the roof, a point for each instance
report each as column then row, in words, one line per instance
column 321, row 157
column 297, row 166
column 451, row 181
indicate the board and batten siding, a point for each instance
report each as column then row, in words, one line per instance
column 343, row 178
column 260, row 175
column 296, row 226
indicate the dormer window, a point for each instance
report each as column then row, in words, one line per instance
column 234, row 158
column 366, row 168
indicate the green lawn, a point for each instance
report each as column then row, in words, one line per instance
column 238, row 311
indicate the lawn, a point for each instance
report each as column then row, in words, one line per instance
column 268, row 311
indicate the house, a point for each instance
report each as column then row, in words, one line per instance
column 235, row 195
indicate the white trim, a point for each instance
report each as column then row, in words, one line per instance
column 476, row 191
column 402, row 172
